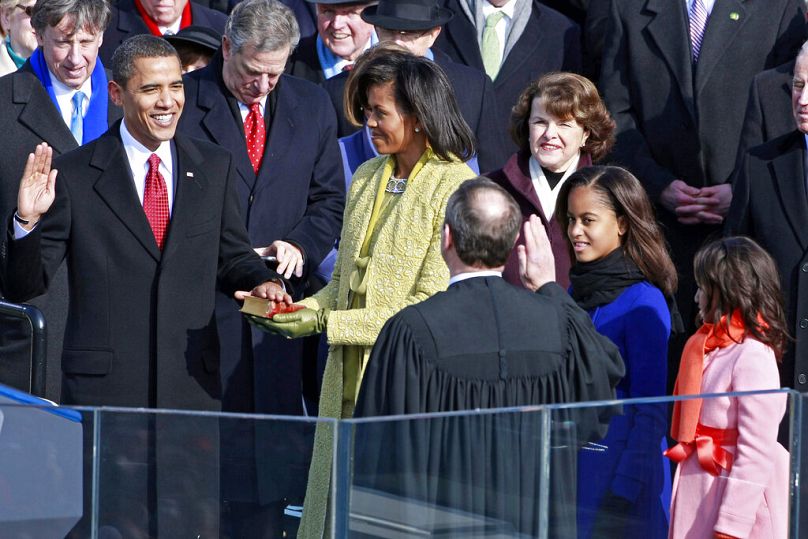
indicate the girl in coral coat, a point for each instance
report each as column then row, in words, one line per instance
column 732, row 478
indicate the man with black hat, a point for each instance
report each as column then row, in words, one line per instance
column 415, row 26
column 341, row 37
column 196, row 45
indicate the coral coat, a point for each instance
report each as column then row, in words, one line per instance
column 751, row 501
column 406, row 267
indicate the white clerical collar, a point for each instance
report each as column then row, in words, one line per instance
column 472, row 274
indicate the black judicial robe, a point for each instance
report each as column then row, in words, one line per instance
column 483, row 344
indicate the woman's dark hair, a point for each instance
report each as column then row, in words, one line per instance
column 736, row 273
column 643, row 242
column 421, row 89
column 566, row 96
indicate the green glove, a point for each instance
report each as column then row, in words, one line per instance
column 293, row 325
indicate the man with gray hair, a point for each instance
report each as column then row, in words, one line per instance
column 58, row 96
column 281, row 131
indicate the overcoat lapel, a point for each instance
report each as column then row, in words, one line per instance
column 718, row 37
column 279, row 136
column 464, row 38
column 668, row 28
column 211, row 98
column 189, row 194
column 40, row 115
column 525, row 49
column 115, row 187
column 789, row 173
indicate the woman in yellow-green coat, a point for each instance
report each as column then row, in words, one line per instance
column 389, row 253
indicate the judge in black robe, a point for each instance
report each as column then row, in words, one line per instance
column 483, row 344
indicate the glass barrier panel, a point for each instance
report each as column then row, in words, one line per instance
column 475, row 474
column 41, row 468
column 178, row 474
column 609, row 477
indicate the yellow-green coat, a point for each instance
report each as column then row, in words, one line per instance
column 406, row 267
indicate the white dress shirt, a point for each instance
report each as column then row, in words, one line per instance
column 708, row 5
column 471, row 274
column 504, row 23
column 138, row 156
column 64, row 97
column 245, row 110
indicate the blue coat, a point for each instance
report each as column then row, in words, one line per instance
column 628, row 461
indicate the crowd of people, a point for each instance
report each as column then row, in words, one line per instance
column 475, row 203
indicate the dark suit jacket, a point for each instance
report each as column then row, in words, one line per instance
column 126, row 22
column 769, row 202
column 304, row 62
column 298, row 196
column 141, row 328
column 475, row 98
column 27, row 118
column 550, row 42
column 673, row 122
column 768, row 111
column 677, row 122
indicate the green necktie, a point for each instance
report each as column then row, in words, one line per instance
column 492, row 55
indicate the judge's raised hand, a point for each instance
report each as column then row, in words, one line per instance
column 290, row 258
column 37, row 186
column 536, row 261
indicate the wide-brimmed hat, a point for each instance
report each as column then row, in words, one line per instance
column 407, row 14
column 197, row 35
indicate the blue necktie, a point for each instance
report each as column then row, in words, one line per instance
column 77, row 118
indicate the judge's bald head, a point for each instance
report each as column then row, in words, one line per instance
column 483, row 222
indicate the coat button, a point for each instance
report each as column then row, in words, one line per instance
column 802, row 378
column 804, row 268
column 804, row 323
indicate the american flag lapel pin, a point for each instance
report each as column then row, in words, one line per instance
column 189, row 174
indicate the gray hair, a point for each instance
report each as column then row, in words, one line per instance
column 267, row 25
column 484, row 220
column 134, row 48
column 89, row 14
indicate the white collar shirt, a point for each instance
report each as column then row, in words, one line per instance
column 138, row 157
column 64, row 96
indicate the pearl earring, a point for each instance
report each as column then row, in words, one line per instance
column 417, row 129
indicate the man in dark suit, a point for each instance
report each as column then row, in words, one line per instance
column 281, row 131
column 769, row 204
column 155, row 17
column 416, row 26
column 528, row 41
column 768, row 113
column 676, row 77
column 483, row 344
column 149, row 223
column 290, row 187
column 341, row 37
column 40, row 106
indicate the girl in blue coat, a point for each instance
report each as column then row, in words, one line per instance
column 624, row 277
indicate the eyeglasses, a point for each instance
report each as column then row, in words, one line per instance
column 28, row 10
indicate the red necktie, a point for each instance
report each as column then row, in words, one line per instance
column 155, row 201
column 256, row 133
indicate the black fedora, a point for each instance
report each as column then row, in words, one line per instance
column 407, row 14
column 197, row 35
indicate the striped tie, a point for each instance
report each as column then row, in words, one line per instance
column 698, row 22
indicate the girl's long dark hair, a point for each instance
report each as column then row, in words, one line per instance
column 736, row 273
column 643, row 241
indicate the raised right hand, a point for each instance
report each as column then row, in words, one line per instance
column 37, row 186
